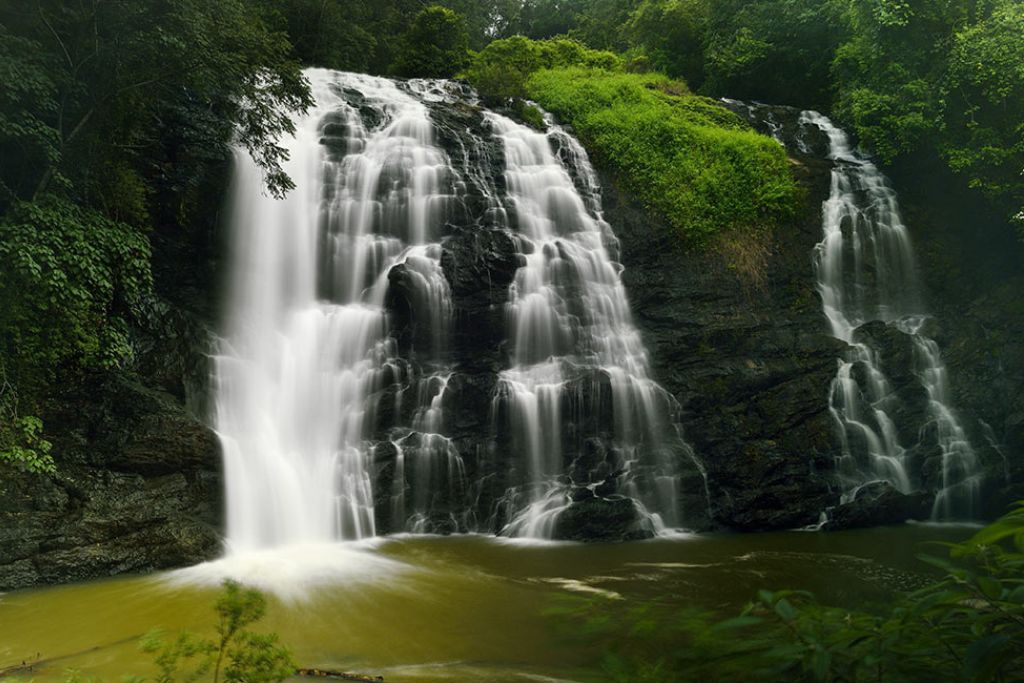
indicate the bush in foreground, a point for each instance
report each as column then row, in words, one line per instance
column 967, row 625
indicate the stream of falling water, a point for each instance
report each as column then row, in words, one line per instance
column 572, row 335
column 866, row 273
column 333, row 427
column 306, row 344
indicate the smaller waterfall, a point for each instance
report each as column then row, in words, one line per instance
column 866, row 277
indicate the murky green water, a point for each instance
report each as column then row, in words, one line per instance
column 450, row 609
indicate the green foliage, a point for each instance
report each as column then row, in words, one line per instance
column 234, row 655
column 23, row 446
column 939, row 78
column 530, row 114
column 984, row 96
column 673, row 35
column 27, row 101
column 683, row 155
column 775, row 50
column 332, row 35
column 500, row 71
column 436, row 44
column 885, row 75
column 116, row 72
column 68, row 279
column 966, row 626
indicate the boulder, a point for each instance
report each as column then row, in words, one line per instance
column 877, row 504
column 599, row 519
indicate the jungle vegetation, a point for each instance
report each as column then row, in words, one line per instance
column 117, row 119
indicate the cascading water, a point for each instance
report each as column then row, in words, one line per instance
column 340, row 380
column 572, row 336
column 306, row 351
column 866, row 277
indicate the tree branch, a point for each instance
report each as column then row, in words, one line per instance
column 64, row 49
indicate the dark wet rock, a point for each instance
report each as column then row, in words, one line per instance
column 138, row 488
column 879, row 503
column 750, row 367
column 895, row 348
column 480, row 264
column 409, row 329
column 581, row 493
column 609, row 486
column 596, row 519
column 785, row 125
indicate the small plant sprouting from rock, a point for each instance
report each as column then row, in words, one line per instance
column 234, row 655
column 21, row 436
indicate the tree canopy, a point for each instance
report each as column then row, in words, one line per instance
column 436, row 44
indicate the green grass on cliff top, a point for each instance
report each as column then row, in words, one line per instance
column 684, row 156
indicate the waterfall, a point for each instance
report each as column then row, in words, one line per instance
column 574, row 345
column 869, row 288
column 339, row 367
column 306, row 351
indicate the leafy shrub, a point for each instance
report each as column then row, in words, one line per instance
column 22, row 445
column 530, row 115
column 68, row 278
column 683, row 155
column 234, row 655
column 984, row 132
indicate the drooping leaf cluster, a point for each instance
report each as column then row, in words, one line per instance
column 111, row 96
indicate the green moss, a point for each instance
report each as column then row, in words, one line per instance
column 683, row 155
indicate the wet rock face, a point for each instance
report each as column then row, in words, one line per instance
column 750, row 367
column 138, row 488
column 479, row 263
